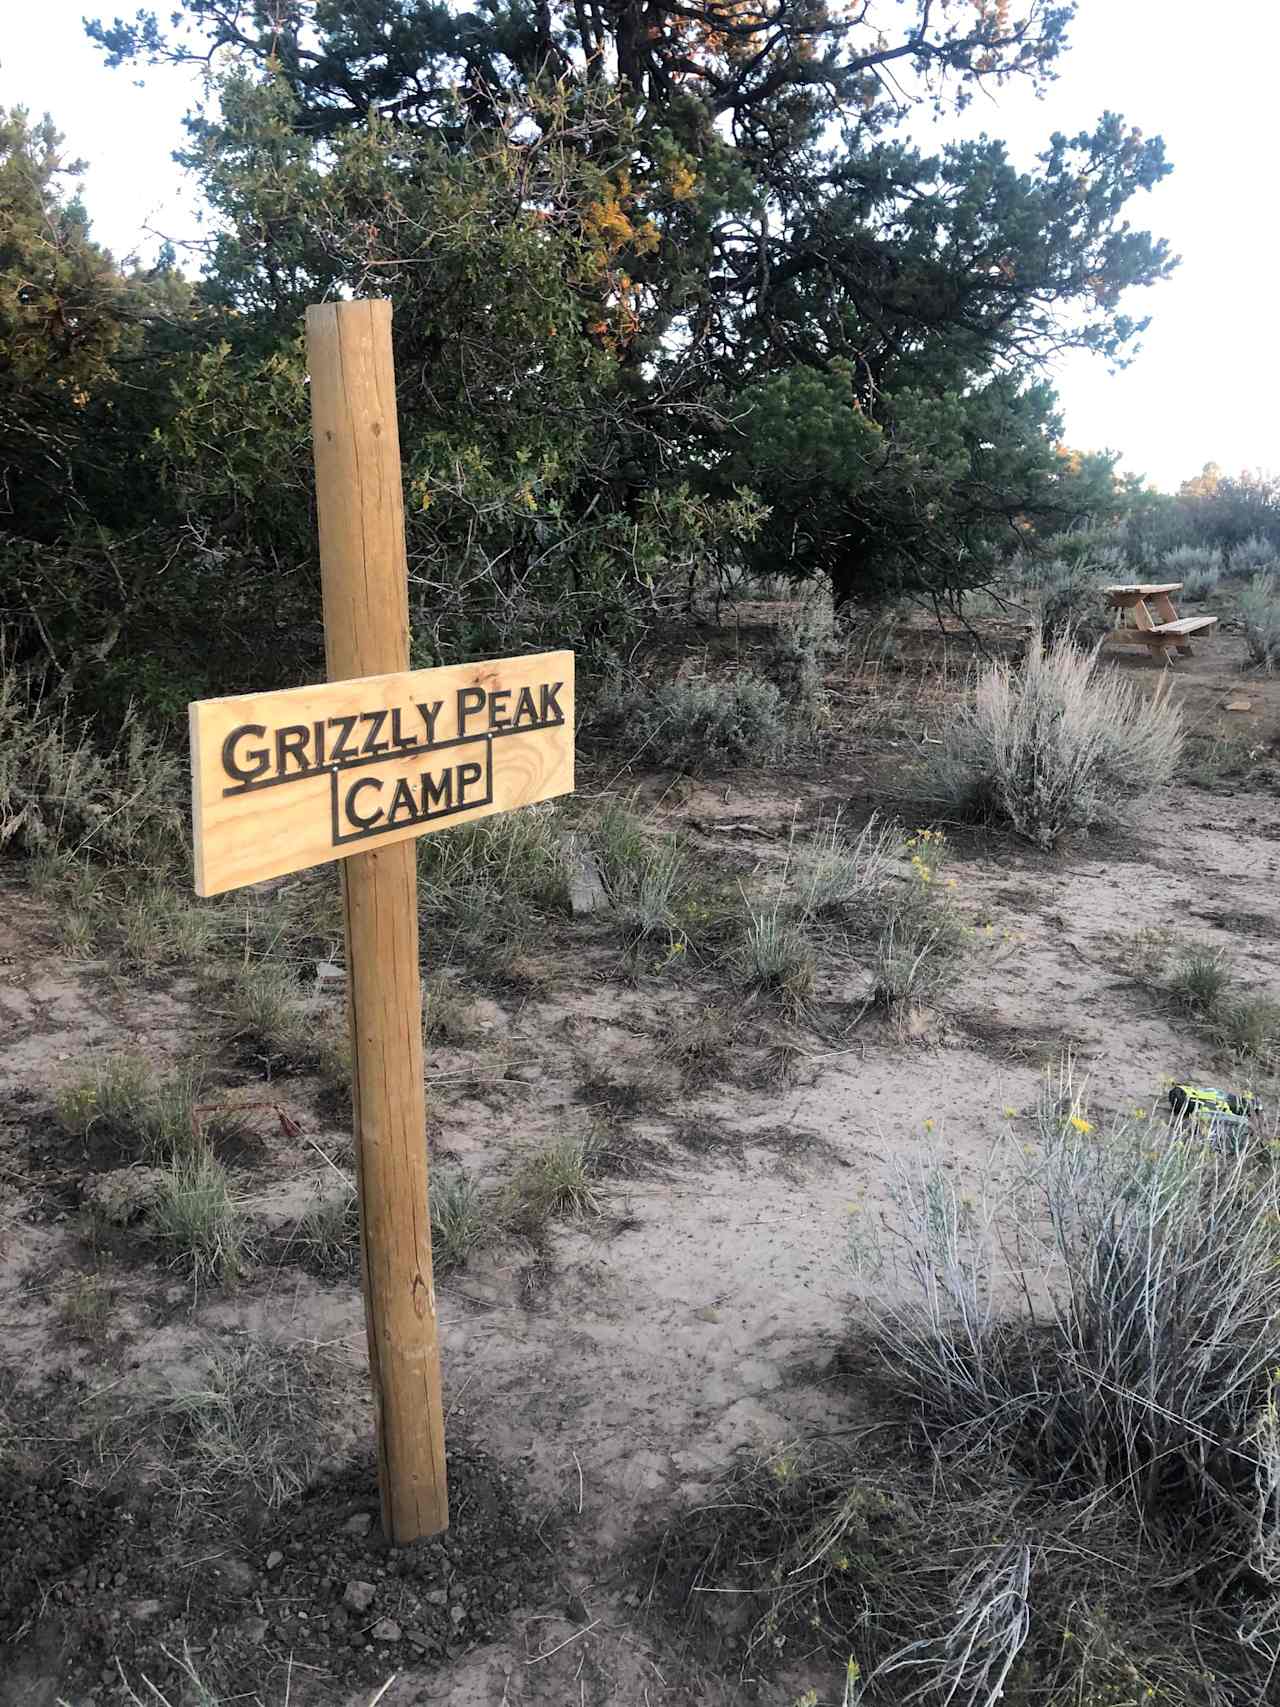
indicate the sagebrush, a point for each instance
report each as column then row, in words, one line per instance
column 1060, row 743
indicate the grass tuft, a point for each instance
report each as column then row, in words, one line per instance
column 645, row 875
column 195, row 1216
column 561, row 1180
column 919, row 953
column 461, row 1220
column 776, row 958
column 834, row 874
column 1199, row 980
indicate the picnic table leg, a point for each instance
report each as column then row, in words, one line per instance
column 1164, row 608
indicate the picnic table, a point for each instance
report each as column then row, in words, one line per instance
column 1146, row 616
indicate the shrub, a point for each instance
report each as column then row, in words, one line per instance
column 1099, row 550
column 1198, row 567
column 1253, row 556
column 696, row 724
column 1055, row 746
column 1260, row 615
column 1140, row 1373
column 1068, row 597
column 796, row 665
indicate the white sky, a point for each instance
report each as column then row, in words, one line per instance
column 1205, row 387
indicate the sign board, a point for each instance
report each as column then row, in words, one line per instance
column 282, row 781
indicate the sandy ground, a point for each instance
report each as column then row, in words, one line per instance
column 700, row 1318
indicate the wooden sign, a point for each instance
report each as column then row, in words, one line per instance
column 283, row 781
column 352, row 770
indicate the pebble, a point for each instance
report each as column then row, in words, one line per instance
column 274, row 1558
column 139, row 1610
column 436, row 1597
column 386, row 1630
column 360, row 1524
column 358, row 1596
column 255, row 1629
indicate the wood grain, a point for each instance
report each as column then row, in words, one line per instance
column 283, row 820
column 365, row 580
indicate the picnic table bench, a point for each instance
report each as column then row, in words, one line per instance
column 1146, row 616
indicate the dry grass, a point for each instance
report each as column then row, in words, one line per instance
column 60, row 793
column 254, row 1427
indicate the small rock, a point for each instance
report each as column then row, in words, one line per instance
column 255, row 1629
column 360, row 1524
column 175, row 1295
column 274, row 1559
column 436, row 1597
column 358, row 1596
column 141, row 1610
column 330, row 976
column 386, row 1630
column 457, row 1613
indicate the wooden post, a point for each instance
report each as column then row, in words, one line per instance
column 364, row 574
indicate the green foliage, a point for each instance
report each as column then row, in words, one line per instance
column 673, row 300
